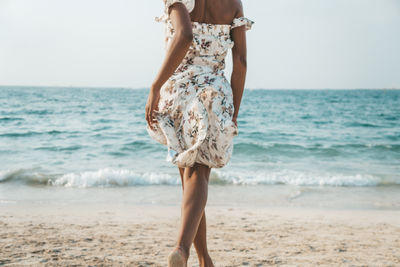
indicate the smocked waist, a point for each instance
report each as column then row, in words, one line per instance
column 192, row 70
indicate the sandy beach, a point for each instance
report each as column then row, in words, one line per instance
column 143, row 235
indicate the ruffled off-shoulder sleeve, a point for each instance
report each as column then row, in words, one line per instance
column 242, row 21
column 189, row 4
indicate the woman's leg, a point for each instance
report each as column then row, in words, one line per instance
column 195, row 182
column 200, row 240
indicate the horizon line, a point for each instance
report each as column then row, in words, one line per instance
column 246, row 88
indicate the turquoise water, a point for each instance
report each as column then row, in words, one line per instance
column 96, row 137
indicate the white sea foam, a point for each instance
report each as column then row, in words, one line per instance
column 111, row 177
column 105, row 177
column 300, row 178
column 114, row 177
column 3, row 174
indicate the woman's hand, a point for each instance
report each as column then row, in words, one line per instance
column 234, row 119
column 152, row 106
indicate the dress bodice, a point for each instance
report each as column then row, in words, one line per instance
column 210, row 44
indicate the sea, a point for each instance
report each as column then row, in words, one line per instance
column 326, row 148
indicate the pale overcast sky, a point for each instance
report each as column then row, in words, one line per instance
column 116, row 43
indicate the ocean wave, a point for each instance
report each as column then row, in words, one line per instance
column 30, row 133
column 36, row 111
column 25, row 176
column 6, row 119
column 138, row 145
column 370, row 147
column 110, row 177
column 60, row 148
column 106, row 177
column 254, row 148
column 291, row 177
column 361, row 124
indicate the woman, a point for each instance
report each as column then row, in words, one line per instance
column 193, row 109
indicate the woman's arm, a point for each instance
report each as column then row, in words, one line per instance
column 239, row 58
column 180, row 43
column 177, row 50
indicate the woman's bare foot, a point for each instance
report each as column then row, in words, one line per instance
column 177, row 258
column 206, row 262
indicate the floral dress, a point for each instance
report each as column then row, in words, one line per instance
column 195, row 110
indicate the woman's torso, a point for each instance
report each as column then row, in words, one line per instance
column 211, row 25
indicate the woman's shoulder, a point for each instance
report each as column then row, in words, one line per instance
column 239, row 18
column 189, row 4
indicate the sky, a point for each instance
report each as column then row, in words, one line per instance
column 297, row 44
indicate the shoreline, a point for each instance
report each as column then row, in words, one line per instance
column 258, row 196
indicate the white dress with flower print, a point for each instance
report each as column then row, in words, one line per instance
column 194, row 118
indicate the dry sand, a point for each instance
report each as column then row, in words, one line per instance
column 144, row 235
